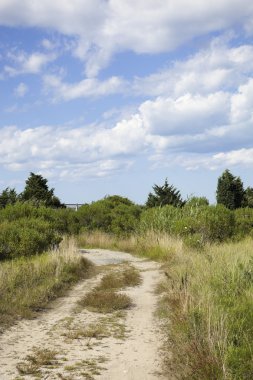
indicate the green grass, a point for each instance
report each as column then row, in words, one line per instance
column 28, row 284
column 208, row 296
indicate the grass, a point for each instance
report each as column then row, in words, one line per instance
column 104, row 327
column 28, row 284
column 33, row 363
column 119, row 279
column 88, row 368
column 152, row 245
column 105, row 301
column 105, row 298
column 207, row 303
column 208, row 299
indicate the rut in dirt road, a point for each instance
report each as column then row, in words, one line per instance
column 68, row 343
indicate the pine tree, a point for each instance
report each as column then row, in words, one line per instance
column 164, row 195
column 230, row 191
column 8, row 197
column 36, row 190
column 248, row 197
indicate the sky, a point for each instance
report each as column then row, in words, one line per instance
column 107, row 97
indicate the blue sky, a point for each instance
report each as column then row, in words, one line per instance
column 111, row 96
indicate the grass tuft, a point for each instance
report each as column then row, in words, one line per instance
column 129, row 276
column 105, row 301
column 39, row 358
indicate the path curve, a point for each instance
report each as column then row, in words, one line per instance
column 136, row 357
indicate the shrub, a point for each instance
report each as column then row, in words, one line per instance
column 113, row 214
column 210, row 223
column 26, row 237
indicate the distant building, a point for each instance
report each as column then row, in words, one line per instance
column 74, row 206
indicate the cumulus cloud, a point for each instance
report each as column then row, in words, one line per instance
column 187, row 114
column 219, row 67
column 102, row 28
column 84, row 151
column 191, row 130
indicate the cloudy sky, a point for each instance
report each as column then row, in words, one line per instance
column 111, row 96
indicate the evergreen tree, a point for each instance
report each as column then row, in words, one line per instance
column 248, row 197
column 164, row 195
column 8, row 197
column 36, row 190
column 230, row 191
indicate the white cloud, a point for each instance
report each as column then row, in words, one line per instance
column 193, row 161
column 21, row 90
column 242, row 103
column 103, row 28
column 86, row 87
column 28, row 64
column 217, row 68
column 185, row 115
column 84, row 151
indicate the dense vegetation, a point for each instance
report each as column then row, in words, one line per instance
column 206, row 251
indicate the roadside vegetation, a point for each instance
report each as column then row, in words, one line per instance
column 27, row 284
column 205, row 252
column 206, row 255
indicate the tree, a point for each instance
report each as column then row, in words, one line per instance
column 230, row 191
column 248, row 197
column 164, row 195
column 8, row 197
column 36, row 190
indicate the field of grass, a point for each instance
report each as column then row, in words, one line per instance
column 207, row 301
column 27, row 284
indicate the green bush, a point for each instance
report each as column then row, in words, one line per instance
column 243, row 221
column 208, row 223
column 26, row 237
column 26, row 230
column 113, row 214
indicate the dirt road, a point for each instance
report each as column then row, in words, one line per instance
column 67, row 343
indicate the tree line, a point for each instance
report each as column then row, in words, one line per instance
column 36, row 191
column 230, row 193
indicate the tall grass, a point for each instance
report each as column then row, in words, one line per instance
column 156, row 246
column 28, row 283
column 208, row 299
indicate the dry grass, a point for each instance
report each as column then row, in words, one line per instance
column 39, row 358
column 207, row 302
column 28, row 284
column 105, row 301
column 119, row 279
column 155, row 246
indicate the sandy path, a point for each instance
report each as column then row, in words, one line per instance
column 129, row 351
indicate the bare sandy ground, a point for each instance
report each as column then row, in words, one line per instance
column 128, row 347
